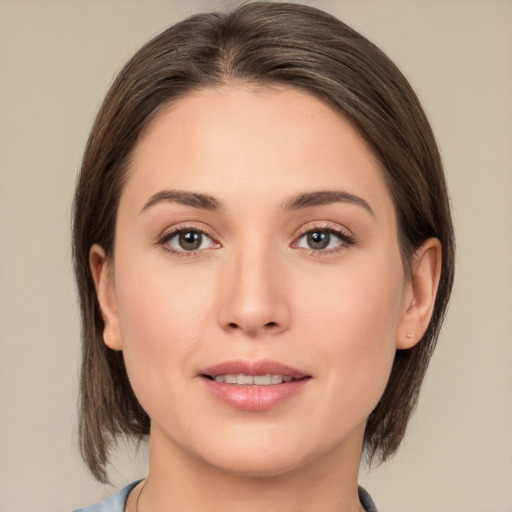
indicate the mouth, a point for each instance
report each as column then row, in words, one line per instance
column 252, row 380
column 254, row 385
column 253, row 373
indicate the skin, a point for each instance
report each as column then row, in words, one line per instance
column 256, row 289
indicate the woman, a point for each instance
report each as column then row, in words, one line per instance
column 264, row 255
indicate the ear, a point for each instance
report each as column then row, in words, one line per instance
column 103, row 276
column 420, row 294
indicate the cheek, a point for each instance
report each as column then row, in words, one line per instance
column 159, row 302
column 353, row 323
column 163, row 315
column 362, row 300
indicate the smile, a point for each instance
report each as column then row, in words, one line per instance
column 253, row 380
column 254, row 385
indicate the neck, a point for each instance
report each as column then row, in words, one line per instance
column 178, row 480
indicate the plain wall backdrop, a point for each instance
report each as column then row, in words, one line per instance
column 57, row 59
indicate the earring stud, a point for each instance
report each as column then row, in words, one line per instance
column 409, row 335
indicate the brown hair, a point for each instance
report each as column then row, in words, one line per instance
column 258, row 43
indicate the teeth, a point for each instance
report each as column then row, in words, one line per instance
column 245, row 380
column 265, row 380
column 276, row 379
column 252, row 380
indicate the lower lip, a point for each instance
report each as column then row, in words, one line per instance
column 255, row 398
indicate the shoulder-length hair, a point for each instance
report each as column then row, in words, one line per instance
column 261, row 43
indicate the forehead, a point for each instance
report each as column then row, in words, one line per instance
column 235, row 141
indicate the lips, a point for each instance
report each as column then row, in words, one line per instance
column 262, row 367
column 252, row 380
column 253, row 385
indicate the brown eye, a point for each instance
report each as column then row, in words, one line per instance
column 323, row 240
column 318, row 239
column 190, row 240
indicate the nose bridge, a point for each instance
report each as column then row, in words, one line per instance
column 254, row 298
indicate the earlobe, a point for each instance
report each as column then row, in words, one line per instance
column 420, row 296
column 102, row 274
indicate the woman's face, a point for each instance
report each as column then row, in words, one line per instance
column 255, row 237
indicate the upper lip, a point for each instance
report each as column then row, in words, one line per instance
column 261, row 367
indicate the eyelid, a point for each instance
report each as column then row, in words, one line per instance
column 184, row 226
column 343, row 233
column 324, row 226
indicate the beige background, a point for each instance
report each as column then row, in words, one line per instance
column 57, row 59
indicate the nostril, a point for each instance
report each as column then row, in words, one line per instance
column 253, row 330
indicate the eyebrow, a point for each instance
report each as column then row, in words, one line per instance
column 297, row 202
column 323, row 197
column 194, row 199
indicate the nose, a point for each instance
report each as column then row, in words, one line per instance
column 254, row 295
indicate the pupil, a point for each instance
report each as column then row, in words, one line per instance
column 319, row 239
column 190, row 240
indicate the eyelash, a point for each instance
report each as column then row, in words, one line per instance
column 175, row 230
column 346, row 239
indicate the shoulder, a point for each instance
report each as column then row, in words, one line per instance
column 114, row 503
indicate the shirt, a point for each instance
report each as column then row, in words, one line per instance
column 117, row 502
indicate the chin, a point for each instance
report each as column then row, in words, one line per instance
column 258, row 467
column 258, row 460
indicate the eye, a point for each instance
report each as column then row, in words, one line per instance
column 188, row 240
column 323, row 239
